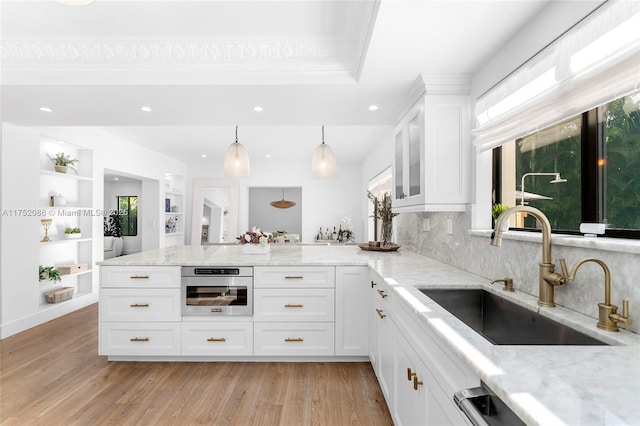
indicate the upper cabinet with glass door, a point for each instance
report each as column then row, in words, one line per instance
column 432, row 147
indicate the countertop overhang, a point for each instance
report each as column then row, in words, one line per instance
column 546, row 385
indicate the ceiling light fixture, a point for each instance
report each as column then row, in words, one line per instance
column 257, row 108
column 203, row 155
column 373, row 107
column 46, row 109
column 146, row 109
column 76, row 2
column 283, row 204
column 323, row 163
column 236, row 159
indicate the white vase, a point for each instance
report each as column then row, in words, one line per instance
column 256, row 248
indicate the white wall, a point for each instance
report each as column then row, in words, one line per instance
column 270, row 219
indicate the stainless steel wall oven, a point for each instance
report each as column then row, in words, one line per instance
column 208, row 290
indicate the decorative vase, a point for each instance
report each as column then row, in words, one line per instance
column 387, row 233
column 73, row 236
column 60, row 169
column 256, row 248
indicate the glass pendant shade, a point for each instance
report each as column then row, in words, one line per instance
column 323, row 164
column 236, row 159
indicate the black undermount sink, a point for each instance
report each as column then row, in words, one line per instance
column 503, row 322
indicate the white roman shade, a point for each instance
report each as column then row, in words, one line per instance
column 595, row 62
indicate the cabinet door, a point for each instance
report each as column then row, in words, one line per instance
column 294, row 277
column 125, row 304
column 296, row 305
column 223, row 338
column 140, row 338
column 386, row 341
column 352, row 310
column 408, row 160
column 293, row 339
column 409, row 398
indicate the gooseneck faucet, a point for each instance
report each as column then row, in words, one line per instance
column 546, row 288
column 608, row 317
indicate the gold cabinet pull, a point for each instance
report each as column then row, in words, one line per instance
column 380, row 313
column 290, row 339
column 373, row 284
column 416, row 382
column 139, row 339
column 293, row 277
column 410, row 374
column 382, row 294
column 139, row 305
column 139, row 277
column 216, row 309
column 216, row 339
column 293, row 305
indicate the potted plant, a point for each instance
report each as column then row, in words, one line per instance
column 72, row 233
column 113, row 228
column 49, row 273
column 62, row 162
column 382, row 210
column 498, row 209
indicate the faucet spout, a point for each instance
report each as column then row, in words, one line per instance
column 546, row 289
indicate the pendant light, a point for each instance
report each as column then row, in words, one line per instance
column 283, row 204
column 323, row 164
column 236, row 160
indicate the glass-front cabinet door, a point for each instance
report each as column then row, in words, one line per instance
column 408, row 173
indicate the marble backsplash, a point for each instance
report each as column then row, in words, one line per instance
column 519, row 260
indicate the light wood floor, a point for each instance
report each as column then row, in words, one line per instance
column 52, row 375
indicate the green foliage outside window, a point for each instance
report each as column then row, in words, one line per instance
column 128, row 208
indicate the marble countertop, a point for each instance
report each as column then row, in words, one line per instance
column 543, row 385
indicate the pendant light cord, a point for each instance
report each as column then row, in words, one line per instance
column 323, row 134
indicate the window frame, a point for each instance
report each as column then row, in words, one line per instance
column 590, row 193
column 125, row 232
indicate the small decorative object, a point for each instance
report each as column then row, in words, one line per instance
column 369, row 247
column 72, row 233
column 73, row 269
column 167, row 205
column 62, row 162
column 171, row 225
column 498, row 209
column 48, row 273
column 346, row 234
column 46, row 223
column 52, row 198
column 61, row 200
column 382, row 210
column 59, row 294
column 255, row 242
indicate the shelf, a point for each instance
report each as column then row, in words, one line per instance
column 179, row 194
column 65, row 175
column 173, row 213
column 64, row 241
column 174, row 233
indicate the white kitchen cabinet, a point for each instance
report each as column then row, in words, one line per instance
column 382, row 343
column 217, row 338
column 410, row 408
column 140, row 311
column 432, row 147
column 352, row 310
column 294, row 311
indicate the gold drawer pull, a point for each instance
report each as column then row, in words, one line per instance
column 293, row 277
column 216, row 339
column 382, row 294
column 216, row 309
column 380, row 313
column 140, row 339
column 373, row 284
column 416, row 383
column 139, row 305
column 410, row 374
column 297, row 339
column 293, row 305
column 139, row 277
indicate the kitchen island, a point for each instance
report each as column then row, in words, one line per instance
column 542, row 384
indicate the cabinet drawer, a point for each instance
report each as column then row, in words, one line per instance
column 140, row 276
column 144, row 339
column 294, row 276
column 217, row 339
column 124, row 304
column 315, row 304
column 286, row 339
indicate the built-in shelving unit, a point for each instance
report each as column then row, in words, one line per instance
column 174, row 219
column 66, row 199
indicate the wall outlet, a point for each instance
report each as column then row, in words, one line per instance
column 449, row 226
column 426, row 226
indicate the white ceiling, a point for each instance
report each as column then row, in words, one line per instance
column 202, row 66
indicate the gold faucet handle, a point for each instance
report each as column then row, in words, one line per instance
column 508, row 283
column 624, row 318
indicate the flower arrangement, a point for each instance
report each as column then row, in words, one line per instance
column 255, row 236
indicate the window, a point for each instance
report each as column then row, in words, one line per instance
column 584, row 169
column 128, row 208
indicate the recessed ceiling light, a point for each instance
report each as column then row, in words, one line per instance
column 116, row 178
column 146, row 109
column 257, row 108
column 373, row 107
column 203, row 155
column 46, row 109
column 268, row 156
